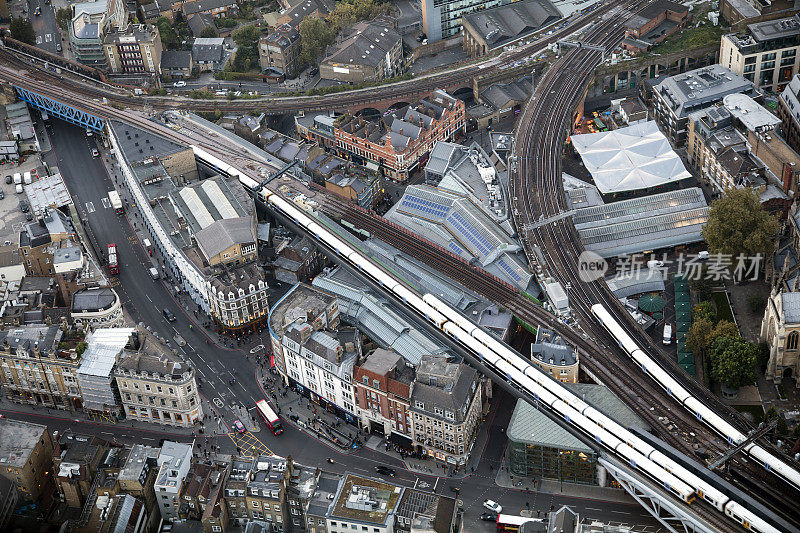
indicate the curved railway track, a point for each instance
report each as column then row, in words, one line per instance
column 538, row 191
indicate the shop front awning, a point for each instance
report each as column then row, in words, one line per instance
column 400, row 440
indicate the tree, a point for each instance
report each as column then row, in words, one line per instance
column 703, row 333
column 208, row 32
column 169, row 37
column 63, row 16
column 704, row 311
column 701, row 284
column 81, row 347
column 246, row 40
column 22, row 30
column 738, row 225
column 315, row 36
column 733, row 361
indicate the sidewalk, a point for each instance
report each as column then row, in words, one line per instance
column 504, row 478
column 332, row 431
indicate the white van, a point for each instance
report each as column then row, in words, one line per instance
column 154, row 273
column 28, row 179
column 17, row 178
column 667, row 340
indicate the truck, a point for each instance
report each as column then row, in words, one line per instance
column 116, row 203
column 28, row 179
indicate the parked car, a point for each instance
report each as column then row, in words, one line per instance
column 179, row 84
column 24, row 207
column 493, row 506
column 95, row 153
column 489, row 517
column 385, row 471
column 239, row 426
column 59, row 48
column 314, row 71
column 2, row 195
column 28, row 216
column 168, row 315
column 9, row 179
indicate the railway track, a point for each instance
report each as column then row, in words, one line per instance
column 398, row 90
column 538, row 191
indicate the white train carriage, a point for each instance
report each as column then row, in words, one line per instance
column 773, row 463
column 290, row 210
column 621, row 336
column 334, row 241
column 704, row 414
column 369, row 268
column 405, row 294
column 451, row 314
column 671, row 482
column 748, row 519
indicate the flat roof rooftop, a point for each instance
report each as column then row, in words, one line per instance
column 17, row 441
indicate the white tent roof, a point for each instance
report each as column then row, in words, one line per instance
column 631, row 158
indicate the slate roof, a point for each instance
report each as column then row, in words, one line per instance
column 199, row 6
column 506, row 23
column 176, row 59
column 223, row 234
column 205, row 50
column 366, row 45
column 93, row 299
column 197, row 23
column 790, row 302
column 452, row 389
column 149, row 145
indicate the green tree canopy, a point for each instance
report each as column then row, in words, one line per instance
column 63, row 16
column 737, row 224
column 315, row 36
column 169, row 37
column 733, row 361
column 703, row 333
column 22, row 30
column 704, row 311
column 208, row 33
column 246, row 40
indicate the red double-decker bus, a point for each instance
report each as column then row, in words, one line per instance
column 113, row 263
column 269, row 417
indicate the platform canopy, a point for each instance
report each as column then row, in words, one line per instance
column 631, row 158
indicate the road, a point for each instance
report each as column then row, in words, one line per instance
column 88, row 182
column 47, row 34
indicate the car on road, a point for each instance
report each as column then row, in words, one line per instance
column 492, row 506
column 95, row 153
column 59, row 48
column 168, row 315
column 455, row 489
column 179, row 84
column 313, row 72
column 385, row 471
column 37, row 11
column 239, row 426
column 489, row 517
column 9, row 179
column 89, row 132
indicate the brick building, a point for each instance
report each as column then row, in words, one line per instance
column 382, row 383
column 397, row 142
column 653, row 24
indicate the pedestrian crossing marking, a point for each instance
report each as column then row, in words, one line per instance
column 90, row 207
column 106, row 203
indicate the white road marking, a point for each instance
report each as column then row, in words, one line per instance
column 38, row 39
column 48, row 38
column 593, row 509
column 90, row 207
column 106, row 203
